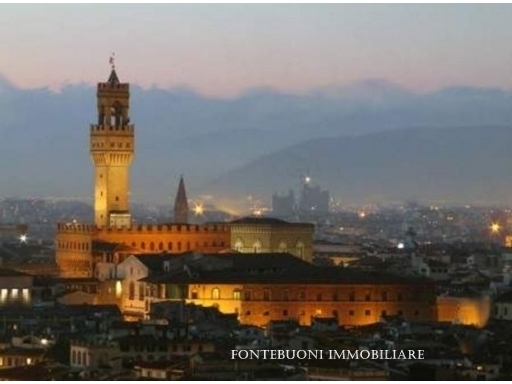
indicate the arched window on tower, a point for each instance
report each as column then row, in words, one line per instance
column 215, row 293
column 116, row 115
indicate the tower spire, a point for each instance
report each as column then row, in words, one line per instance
column 181, row 204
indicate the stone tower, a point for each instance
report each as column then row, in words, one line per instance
column 112, row 151
column 181, row 204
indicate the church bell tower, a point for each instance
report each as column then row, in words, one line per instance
column 112, row 150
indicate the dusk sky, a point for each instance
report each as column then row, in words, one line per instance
column 224, row 50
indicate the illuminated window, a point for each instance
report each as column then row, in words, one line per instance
column 131, row 291
column 256, row 248
column 215, row 293
column 236, row 295
column 14, row 293
column 239, row 245
column 141, row 291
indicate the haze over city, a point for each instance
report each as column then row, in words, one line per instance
column 185, row 189
column 212, row 84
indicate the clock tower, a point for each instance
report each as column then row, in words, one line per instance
column 112, row 150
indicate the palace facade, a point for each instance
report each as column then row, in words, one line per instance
column 81, row 248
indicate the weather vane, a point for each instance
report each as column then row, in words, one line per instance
column 112, row 60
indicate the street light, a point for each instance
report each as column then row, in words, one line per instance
column 495, row 228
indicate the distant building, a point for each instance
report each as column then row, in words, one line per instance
column 15, row 288
column 313, row 199
column 283, row 205
column 503, row 307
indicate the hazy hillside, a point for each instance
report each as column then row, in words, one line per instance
column 44, row 134
column 466, row 164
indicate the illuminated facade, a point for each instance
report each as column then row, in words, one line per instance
column 112, row 148
column 265, row 287
column 15, row 288
column 269, row 235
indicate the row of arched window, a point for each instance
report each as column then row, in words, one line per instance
column 286, row 295
column 282, row 248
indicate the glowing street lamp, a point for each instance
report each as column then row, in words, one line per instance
column 495, row 228
column 198, row 209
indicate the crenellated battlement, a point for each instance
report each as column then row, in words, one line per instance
column 99, row 129
column 169, row 228
column 73, row 228
column 119, row 86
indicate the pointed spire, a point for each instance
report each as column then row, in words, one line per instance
column 113, row 79
column 181, row 204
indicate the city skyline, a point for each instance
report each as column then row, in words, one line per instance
column 225, row 50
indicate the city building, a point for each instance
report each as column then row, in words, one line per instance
column 312, row 198
column 112, row 148
column 283, row 206
column 270, row 235
column 260, row 288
